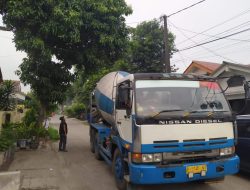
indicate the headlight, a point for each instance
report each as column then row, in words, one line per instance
column 146, row 158
column 157, row 157
column 227, row 151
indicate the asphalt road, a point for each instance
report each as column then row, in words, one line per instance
column 78, row 169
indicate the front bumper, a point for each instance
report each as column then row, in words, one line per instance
column 151, row 174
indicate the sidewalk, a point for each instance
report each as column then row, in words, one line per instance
column 39, row 168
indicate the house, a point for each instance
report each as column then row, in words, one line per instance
column 235, row 95
column 201, row 68
column 19, row 97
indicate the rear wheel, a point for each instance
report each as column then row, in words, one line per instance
column 118, row 168
column 97, row 149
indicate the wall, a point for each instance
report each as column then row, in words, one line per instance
column 14, row 116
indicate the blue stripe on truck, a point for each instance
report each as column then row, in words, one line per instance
column 105, row 104
column 152, row 174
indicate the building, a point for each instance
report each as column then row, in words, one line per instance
column 235, row 95
column 201, row 68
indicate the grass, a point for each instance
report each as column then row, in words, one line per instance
column 53, row 134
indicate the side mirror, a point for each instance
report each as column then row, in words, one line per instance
column 203, row 106
column 236, row 80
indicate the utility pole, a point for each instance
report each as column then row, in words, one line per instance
column 166, row 58
column 166, row 61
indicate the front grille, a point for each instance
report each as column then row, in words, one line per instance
column 190, row 156
column 190, row 160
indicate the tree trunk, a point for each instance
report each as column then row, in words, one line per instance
column 42, row 114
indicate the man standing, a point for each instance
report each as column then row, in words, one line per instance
column 63, row 131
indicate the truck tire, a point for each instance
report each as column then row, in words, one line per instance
column 92, row 140
column 97, row 151
column 118, row 168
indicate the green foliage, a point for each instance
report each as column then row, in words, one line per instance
column 24, row 131
column 41, row 132
column 76, row 110
column 147, row 47
column 6, row 91
column 31, row 116
column 48, row 80
column 7, row 137
column 90, row 34
column 53, row 134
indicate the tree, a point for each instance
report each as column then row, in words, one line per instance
column 147, row 47
column 48, row 79
column 87, row 33
column 6, row 96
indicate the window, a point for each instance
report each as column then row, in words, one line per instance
column 123, row 99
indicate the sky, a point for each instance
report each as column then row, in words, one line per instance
column 204, row 22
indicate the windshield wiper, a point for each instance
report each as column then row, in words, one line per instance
column 194, row 111
column 163, row 111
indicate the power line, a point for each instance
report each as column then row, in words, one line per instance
column 197, row 45
column 185, row 8
column 204, row 47
column 210, row 28
column 213, row 36
column 227, row 46
column 216, row 36
column 166, row 59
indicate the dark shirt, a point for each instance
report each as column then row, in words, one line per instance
column 61, row 129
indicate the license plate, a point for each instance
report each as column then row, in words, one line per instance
column 196, row 169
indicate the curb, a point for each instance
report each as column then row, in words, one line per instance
column 10, row 180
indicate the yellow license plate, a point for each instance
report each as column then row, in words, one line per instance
column 196, row 169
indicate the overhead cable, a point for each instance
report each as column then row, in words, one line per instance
column 217, row 25
column 214, row 40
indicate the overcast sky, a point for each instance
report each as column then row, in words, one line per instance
column 223, row 16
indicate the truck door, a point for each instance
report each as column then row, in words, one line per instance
column 243, row 147
column 123, row 111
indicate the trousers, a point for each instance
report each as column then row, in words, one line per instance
column 63, row 141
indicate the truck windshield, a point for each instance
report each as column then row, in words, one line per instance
column 168, row 97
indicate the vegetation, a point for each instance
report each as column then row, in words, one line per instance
column 144, row 53
column 88, row 35
column 7, row 137
column 76, row 110
column 56, row 35
column 6, row 92
column 53, row 134
column 147, row 47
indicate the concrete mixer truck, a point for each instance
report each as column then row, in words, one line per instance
column 154, row 128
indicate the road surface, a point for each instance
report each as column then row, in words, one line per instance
column 79, row 170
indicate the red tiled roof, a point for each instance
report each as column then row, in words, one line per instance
column 207, row 66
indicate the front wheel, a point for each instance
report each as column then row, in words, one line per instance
column 118, row 168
